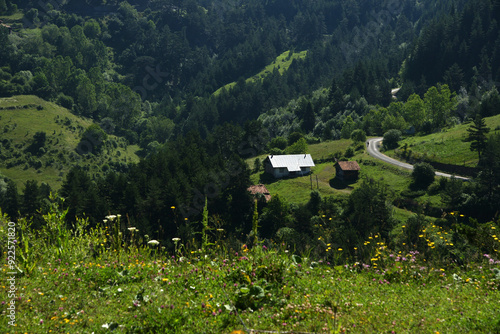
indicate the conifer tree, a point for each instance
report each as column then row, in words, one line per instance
column 477, row 135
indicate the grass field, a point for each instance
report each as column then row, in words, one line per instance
column 62, row 285
column 21, row 117
column 449, row 145
column 282, row 63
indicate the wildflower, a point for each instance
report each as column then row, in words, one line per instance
column 153, row 242
column 340, row 249
column 111, row 217
column 133, row 229
column 176, row 239
column 172, row 207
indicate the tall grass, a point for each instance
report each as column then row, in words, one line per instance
column 80, row 279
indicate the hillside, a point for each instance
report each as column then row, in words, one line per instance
column 297, row 190
column 129, row 285
column 48, row 158
column 281, row 64
column 447, row 146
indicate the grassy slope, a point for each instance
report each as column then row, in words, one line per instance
column 142, row 291
column 63, row 131
column 282, row 62
column 449, row 146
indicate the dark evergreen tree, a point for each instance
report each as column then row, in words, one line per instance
column 12, row 202
column 309, row 119
column 477, row 135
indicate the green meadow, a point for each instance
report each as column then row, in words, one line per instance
column 281, row 63
column 21, row 117
column 448, row 146
column 111, row 278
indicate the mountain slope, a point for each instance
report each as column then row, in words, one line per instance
column 41, row 141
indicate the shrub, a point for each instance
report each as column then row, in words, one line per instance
column 358, row 136
column 65, row 101
column 391, row 139
column 278, row 142
column 423, row 175
column 349, row 152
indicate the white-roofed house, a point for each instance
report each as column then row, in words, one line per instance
column 288, row 165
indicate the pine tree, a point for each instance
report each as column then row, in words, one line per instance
column 477, row 135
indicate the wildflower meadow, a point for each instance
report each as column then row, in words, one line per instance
column 112, row 278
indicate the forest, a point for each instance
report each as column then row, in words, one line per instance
column 171, row 77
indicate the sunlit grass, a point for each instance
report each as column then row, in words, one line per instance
column 449, row 145
column 135, row 289
column 63, row 130
column 281, row 63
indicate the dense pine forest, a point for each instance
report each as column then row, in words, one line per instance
column 190, row 83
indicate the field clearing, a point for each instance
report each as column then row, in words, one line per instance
column 448, row 146
column 281, row 63
column 297, row 190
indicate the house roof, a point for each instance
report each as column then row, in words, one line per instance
column 260, row 189
column 292, row 162
column 348, row 165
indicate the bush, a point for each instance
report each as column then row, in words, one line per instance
column 423, row 175
column 349, row 152
column 298, row 147
column 294, row 137
column 358, row 136
column 391, row 139
column 278, row 142
column 65, row 101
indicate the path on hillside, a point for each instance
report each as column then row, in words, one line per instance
column 373, row 150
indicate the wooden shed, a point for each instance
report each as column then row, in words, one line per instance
column 347, row 170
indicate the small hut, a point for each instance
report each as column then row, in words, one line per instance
column 347, row 170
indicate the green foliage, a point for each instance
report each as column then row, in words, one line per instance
column 266, row 285
column 423, row 175
column 349, row 152
column 414, row 111
column 367, row 211
column 347, row 128
column 439, row 102
column 358, row 136
column 278, row 142
column 476, row 134
column 298, row 147
column 294, row 137
column 391, row 139
column 93, row 140
column 257, row 165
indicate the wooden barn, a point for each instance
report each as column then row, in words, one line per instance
column 347, row 170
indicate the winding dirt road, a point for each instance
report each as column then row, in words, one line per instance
column 373, row 150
